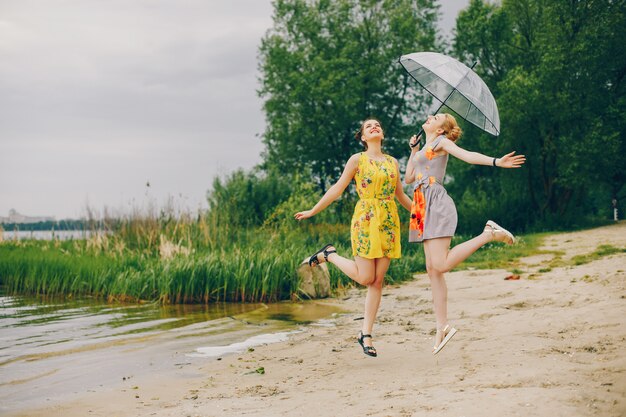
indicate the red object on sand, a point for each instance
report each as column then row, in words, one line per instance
column 511, row 277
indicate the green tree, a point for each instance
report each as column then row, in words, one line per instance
column 557, row 69
column 327, row 65
column 245, row 199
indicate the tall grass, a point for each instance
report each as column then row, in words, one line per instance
column 184, row 258
column 254, row 272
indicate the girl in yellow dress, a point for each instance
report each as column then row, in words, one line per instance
column 375, row 227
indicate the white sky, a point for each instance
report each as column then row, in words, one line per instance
column 99, row 97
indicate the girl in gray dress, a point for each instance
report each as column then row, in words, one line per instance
column 433, row 214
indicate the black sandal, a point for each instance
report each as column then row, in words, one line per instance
column 368, row 350
column 313, row 261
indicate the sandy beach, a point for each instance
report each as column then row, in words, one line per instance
column 552, row 343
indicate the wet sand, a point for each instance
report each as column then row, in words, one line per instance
column 550, row 344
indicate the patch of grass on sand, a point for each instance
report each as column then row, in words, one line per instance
column 600, row 252
column 588, row 278
column 518, row 306
column 557, row 261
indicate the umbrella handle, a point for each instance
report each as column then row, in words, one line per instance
column 421, row 133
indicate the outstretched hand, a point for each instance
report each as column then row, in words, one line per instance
column 304, row 214
column 510, row 160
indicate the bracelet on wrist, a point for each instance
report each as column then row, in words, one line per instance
column 494, row 162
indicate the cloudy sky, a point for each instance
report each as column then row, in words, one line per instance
column 98, row 98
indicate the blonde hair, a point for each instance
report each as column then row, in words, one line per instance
column 450, row 128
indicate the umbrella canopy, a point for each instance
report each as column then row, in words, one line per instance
column 456, row 86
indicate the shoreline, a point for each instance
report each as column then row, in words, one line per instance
column 549, row 344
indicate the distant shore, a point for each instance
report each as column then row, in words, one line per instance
column 549, row 344
column 47, row 234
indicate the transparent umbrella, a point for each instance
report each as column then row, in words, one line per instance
column 456, row 86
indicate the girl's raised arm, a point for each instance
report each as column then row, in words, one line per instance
column 509, row 160
column 335, row 191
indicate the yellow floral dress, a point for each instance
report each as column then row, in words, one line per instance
column 375, row 231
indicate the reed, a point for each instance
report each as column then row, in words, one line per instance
column 194, row 259
column 259, row 269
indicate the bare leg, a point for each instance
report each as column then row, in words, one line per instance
column 462, row 251
column 436, row 251
column 440, row 259
column 372, row 299
column 361, row 270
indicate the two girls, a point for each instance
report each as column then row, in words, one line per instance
column 375, row 226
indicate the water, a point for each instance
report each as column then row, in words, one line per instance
column 61, row 349
column 46, row 234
